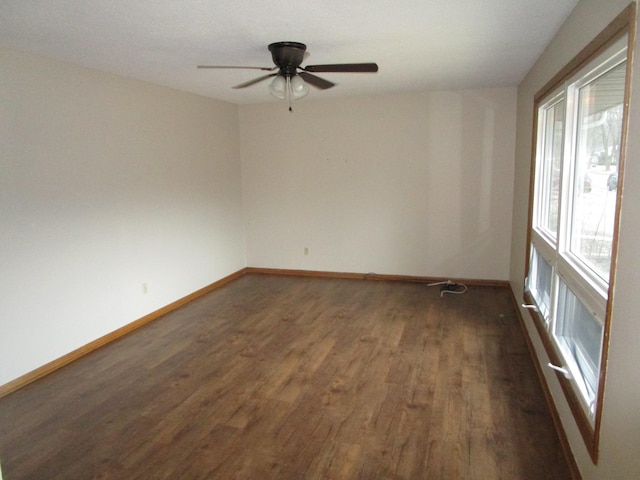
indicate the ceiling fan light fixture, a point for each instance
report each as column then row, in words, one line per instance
column 283, row 87
column 278, row 87
column 299, row 88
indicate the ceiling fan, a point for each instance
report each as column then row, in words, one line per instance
column 290, row 78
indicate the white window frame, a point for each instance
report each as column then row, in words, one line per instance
column 597, row 287
column 543, row 167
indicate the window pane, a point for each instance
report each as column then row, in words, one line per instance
column 540, row 282
column 595, row 176
column 550, row 173
column 581, row 333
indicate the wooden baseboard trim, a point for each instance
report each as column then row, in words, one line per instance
column 562, row 435
column 54, row 365
column 374, row 276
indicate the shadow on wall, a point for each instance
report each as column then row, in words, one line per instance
column 471, row 191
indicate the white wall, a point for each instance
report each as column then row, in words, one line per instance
column 402, row 184
column 110, row 183
column 620, row 430
column 105, row 184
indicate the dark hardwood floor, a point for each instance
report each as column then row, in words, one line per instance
column 296, row 378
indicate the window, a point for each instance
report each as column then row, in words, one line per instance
column 540, row 283
column 578, row 156
column 552, row 130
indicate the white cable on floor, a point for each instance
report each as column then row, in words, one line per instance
column 448, row 287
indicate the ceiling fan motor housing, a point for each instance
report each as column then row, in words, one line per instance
column 288, row 56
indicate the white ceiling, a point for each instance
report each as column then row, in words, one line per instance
column 418, row 44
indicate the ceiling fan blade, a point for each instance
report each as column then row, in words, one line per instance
column 344, row 67
column 266, row 69
column 317, row 82
column 255, row 80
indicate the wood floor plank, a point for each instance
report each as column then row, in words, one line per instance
column 296, row 378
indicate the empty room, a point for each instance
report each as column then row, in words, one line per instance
column 319, row 240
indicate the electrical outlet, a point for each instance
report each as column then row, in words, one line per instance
column 145, row 290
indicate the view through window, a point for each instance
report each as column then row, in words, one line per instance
column 579, row 136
